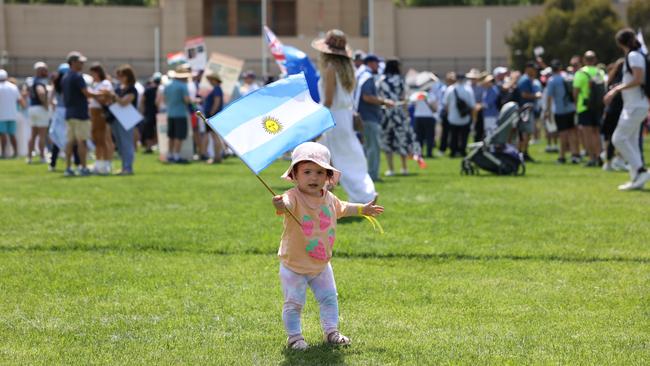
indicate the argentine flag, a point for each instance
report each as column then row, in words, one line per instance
column 270, row 121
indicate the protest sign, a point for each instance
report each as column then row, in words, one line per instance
column 127, row 115
column 227, row 67
column 196, row 53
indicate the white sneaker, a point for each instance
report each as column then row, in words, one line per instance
column 405, row 172
column 640, row 180
column 108, row 167
column 618, row 164
column 607, row 166
column 389, row 173
column 97, row 168
column 625, row 186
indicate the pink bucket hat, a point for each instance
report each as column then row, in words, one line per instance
column 314, row 152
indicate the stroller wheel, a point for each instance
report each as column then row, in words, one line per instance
column 466, row 168
column 521, row 170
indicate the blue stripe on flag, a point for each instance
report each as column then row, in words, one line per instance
column 257, row 103
column 305, row 130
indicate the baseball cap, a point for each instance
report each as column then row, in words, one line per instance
column 76, row 56
column 40, row 65
column 370, row 58
column 63, row 67
column 3, row 75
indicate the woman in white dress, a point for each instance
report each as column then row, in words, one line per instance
column 336, row 87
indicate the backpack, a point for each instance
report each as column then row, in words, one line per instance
column 597, row 92
column 568, row 89
column 463, row 108
column 645, row 86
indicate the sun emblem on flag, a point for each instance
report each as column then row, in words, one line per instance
column 271, row 125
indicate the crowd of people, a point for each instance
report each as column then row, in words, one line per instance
column 588, row 112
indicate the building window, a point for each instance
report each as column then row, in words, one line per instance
column 283, row 17
column 244, row 17
column 216, row 12
column 249, row 17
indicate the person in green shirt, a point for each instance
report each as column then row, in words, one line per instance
column 588, row 120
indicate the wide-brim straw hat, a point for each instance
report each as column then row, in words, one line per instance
column 183, row 71
column 475, row 74
column 421, row 81
column 213, row 75
column 314, row 152
column 334, row 43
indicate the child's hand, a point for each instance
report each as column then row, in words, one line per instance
column 372, row 209
column 278, row 202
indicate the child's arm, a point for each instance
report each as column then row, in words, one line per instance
column 281, row 203
column 357, row 209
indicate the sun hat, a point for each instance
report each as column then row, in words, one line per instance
column 421, row 80
column 314, row 152
column 40, row 65
column 475, row 74
column 334, row 43
column 3, row 75
column 76, row 56
column 182, row 71
column 209, row 74
column 499, row 70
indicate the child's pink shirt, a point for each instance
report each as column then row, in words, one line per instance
column 308, row 249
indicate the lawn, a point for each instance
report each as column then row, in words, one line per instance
column 176, row 265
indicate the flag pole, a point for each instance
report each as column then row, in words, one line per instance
column 200, row 115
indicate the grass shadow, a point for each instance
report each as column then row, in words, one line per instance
column 321, row 354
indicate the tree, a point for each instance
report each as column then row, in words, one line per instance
column 466, row 2
column 638, row 17
column 566, row 28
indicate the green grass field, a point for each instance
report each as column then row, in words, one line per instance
column 176, row 265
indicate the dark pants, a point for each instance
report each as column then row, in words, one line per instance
column 55, row 155
column 425, row 130
column 479, row 129
column 444, row 137
column 458, row 141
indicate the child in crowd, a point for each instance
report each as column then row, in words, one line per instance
column 306, row 249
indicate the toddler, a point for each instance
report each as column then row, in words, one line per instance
column 306, row 249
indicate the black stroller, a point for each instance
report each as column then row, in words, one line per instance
column 493, row 153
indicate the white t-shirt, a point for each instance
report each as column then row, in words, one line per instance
column 9, row 96
column 96, row 88
column 634, row 97
column 465, row 92
column 423, row 107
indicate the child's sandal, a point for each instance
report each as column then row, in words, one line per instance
column 297, row 342
column 338, row 339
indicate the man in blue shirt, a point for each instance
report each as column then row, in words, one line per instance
column 559, row 100
column 75, row 98
column 526, row 94
column 370, row 111
column 177, row 98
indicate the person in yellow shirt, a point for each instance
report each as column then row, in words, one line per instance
column 306, row 249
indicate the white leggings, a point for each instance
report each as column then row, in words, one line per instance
column 294, row 288
column 626, row 137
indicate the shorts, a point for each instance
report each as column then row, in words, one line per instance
column 8, row 127
column 527, row 127
column 588, row 118
column 177, row 128
column 38, row 116
column 565, row 121
column 78, row 129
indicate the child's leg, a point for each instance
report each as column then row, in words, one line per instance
column 324, row 289
column 294, row 288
